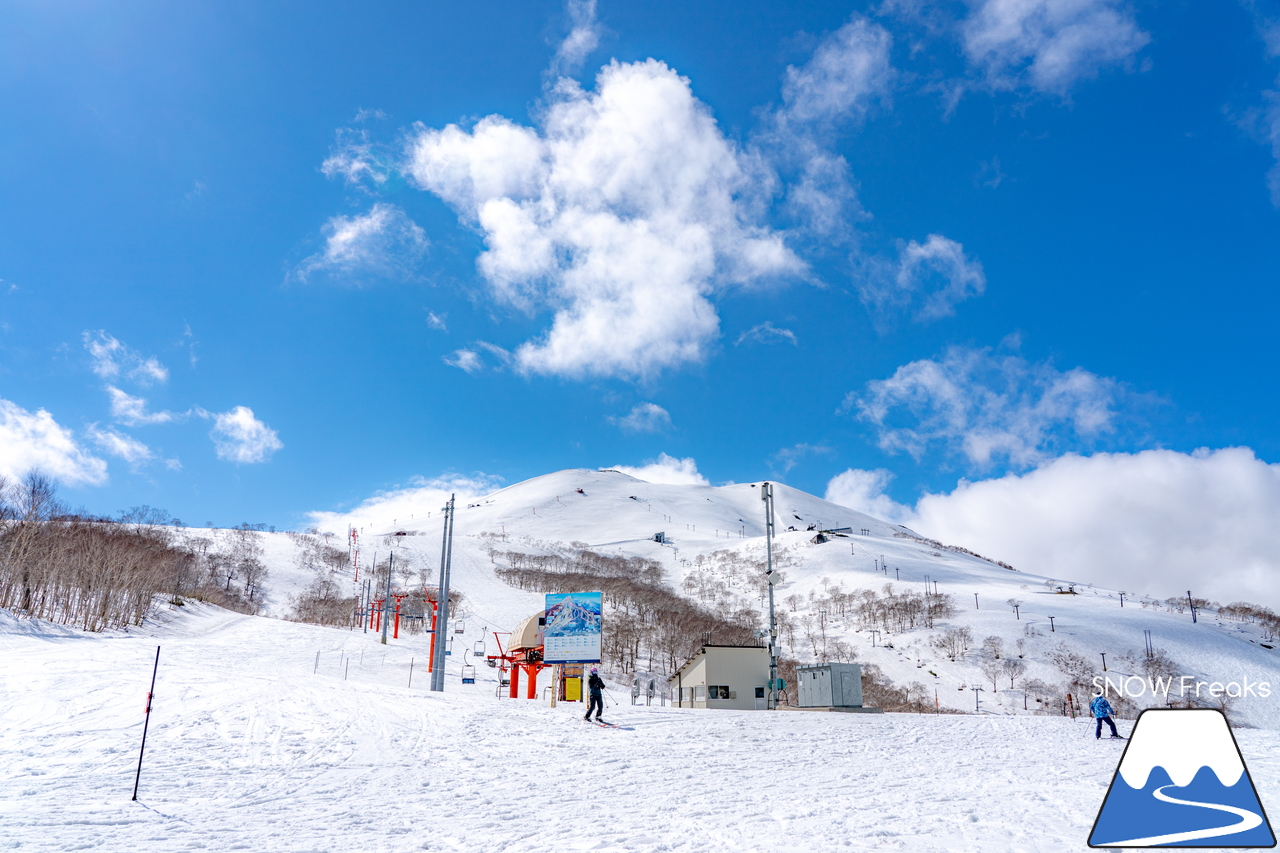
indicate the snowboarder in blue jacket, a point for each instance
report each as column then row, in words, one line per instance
column 595, row 684
column 1102, row 710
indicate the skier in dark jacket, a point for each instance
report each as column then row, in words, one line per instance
column 1101, row 709
column 595, row 684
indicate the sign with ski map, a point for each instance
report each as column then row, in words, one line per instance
column 572, row 632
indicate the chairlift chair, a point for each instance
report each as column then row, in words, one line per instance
column 478, row 649
column 459, row 627
column 468, row 674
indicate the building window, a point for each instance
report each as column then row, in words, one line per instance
column 759, row 692
column 718, row 691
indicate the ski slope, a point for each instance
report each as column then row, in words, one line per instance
column 251, row 748
column 617, row 513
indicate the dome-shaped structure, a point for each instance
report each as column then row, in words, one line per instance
column 528, row 634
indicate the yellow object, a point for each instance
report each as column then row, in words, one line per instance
column 573, row 690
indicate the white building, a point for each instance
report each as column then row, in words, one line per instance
column 733, row 677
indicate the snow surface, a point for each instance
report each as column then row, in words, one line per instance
column 249, row 749
column 254, row 745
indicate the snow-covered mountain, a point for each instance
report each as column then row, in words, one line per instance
column 710, row 533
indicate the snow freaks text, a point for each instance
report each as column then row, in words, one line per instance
column 1135, row 687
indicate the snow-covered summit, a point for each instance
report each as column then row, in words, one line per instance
column 1182, row 743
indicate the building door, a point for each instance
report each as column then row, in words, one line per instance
column 850, row 690
column 761, row 700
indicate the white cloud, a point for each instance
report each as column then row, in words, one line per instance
column 789, row 457
column 131, row 411
column 464, row 359
column 849, row 73
column 120, row 445
column 1271, row 128
column 1049, row 45
column 864, row 491
column 1156, row 522
column 436, row 321
column 666, row 470
column 111, row 359
column 383, row 242
column 644, row 417
column 987, row 407
column 240, row 437
column 408, row 507
column 354, row 158
column 766, row 333
column 624, row 212
column 35, row 441
column 940, row 273
column 582, row 39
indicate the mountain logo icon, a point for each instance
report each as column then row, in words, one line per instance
column 1182, row 782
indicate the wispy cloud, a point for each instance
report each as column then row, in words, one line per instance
column 766, row 333
column 356, row 160
column 383, row 243
column 987, row 407
column 436, row 321
column 583, row 38
column 132, row 411
column 848, row 75
column 112, row 359
column 789, row 457
column 644, row 417
column 464, row 359
column 31, row 441
column 119, row 445
column 1049, row 45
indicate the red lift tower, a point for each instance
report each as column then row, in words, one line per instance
column 523, row 653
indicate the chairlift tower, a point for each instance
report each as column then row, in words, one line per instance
column 766, row 495
column 353, row 543
column 442, row 614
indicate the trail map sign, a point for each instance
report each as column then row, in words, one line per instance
column 572, row 631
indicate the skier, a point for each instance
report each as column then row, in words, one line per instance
column 595, row 684
column 1101, row 709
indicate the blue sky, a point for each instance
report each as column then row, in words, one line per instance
column 260, row 261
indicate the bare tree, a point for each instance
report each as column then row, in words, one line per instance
column 1013, row 667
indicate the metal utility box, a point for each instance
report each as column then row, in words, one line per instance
column 830, row 685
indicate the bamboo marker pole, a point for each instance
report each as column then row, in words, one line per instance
column 146, row 723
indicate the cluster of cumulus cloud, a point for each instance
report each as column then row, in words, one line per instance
column 624, row 211
column 1155, row 522
column 35, row 441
